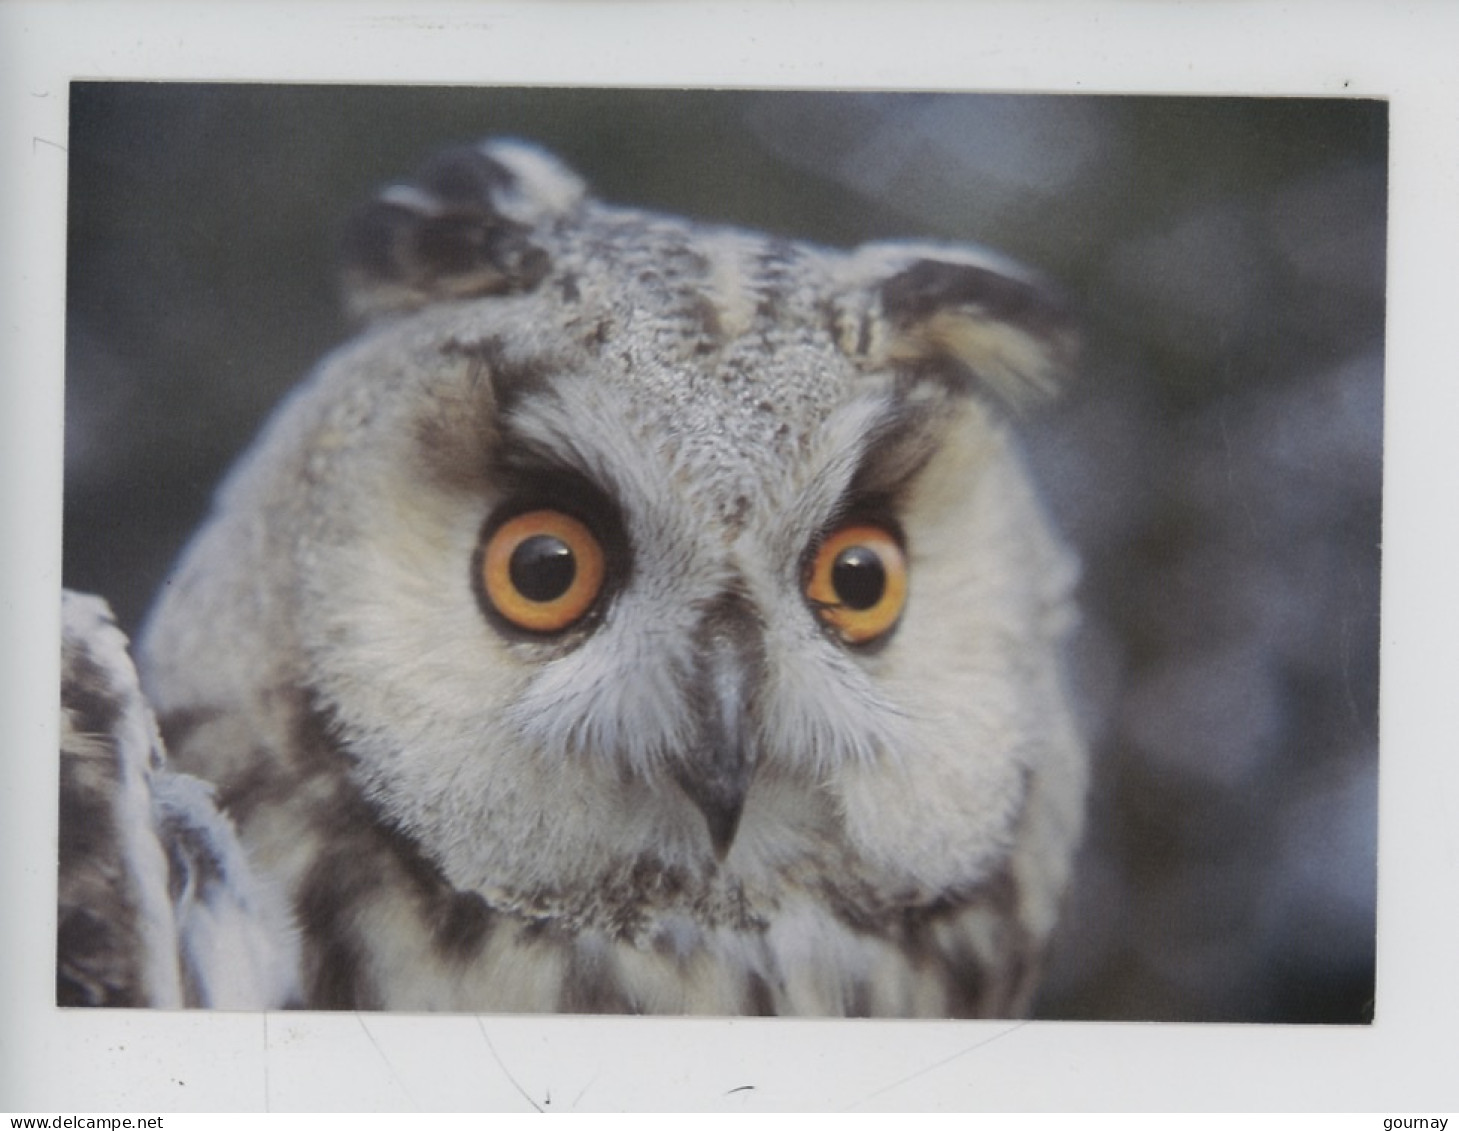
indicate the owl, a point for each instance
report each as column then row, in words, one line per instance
column 157, row 904
column 641, row 616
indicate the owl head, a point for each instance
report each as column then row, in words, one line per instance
column 633, row 566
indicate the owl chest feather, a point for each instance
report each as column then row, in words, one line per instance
column 383, row 930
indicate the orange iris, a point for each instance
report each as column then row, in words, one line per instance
column 858, row 582
column 542, row 570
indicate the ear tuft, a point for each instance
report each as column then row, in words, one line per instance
column 463, row 228
column 963, row 315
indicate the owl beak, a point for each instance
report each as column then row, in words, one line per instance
column 718, row 777
column 721, row 798
column 716, row 773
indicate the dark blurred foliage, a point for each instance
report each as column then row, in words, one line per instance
column 1217, row 464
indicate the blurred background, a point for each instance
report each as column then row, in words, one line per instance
column 1217, row 464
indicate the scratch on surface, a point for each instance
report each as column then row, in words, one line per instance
column 268, row 1101
column 390, row 1067
column 933, row 1067
column 593, row 1080
column 480, row 1024
column 34, row 141
column 1349, row 645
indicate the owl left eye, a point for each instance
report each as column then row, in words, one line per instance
column 542, row 570
column 857, row 582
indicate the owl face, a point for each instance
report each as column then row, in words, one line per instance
column 637, row 570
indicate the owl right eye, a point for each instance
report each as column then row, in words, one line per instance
column 542, row 570
column 857, row 582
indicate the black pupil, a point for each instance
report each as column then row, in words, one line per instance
column 542, row 568
column 858, row 577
